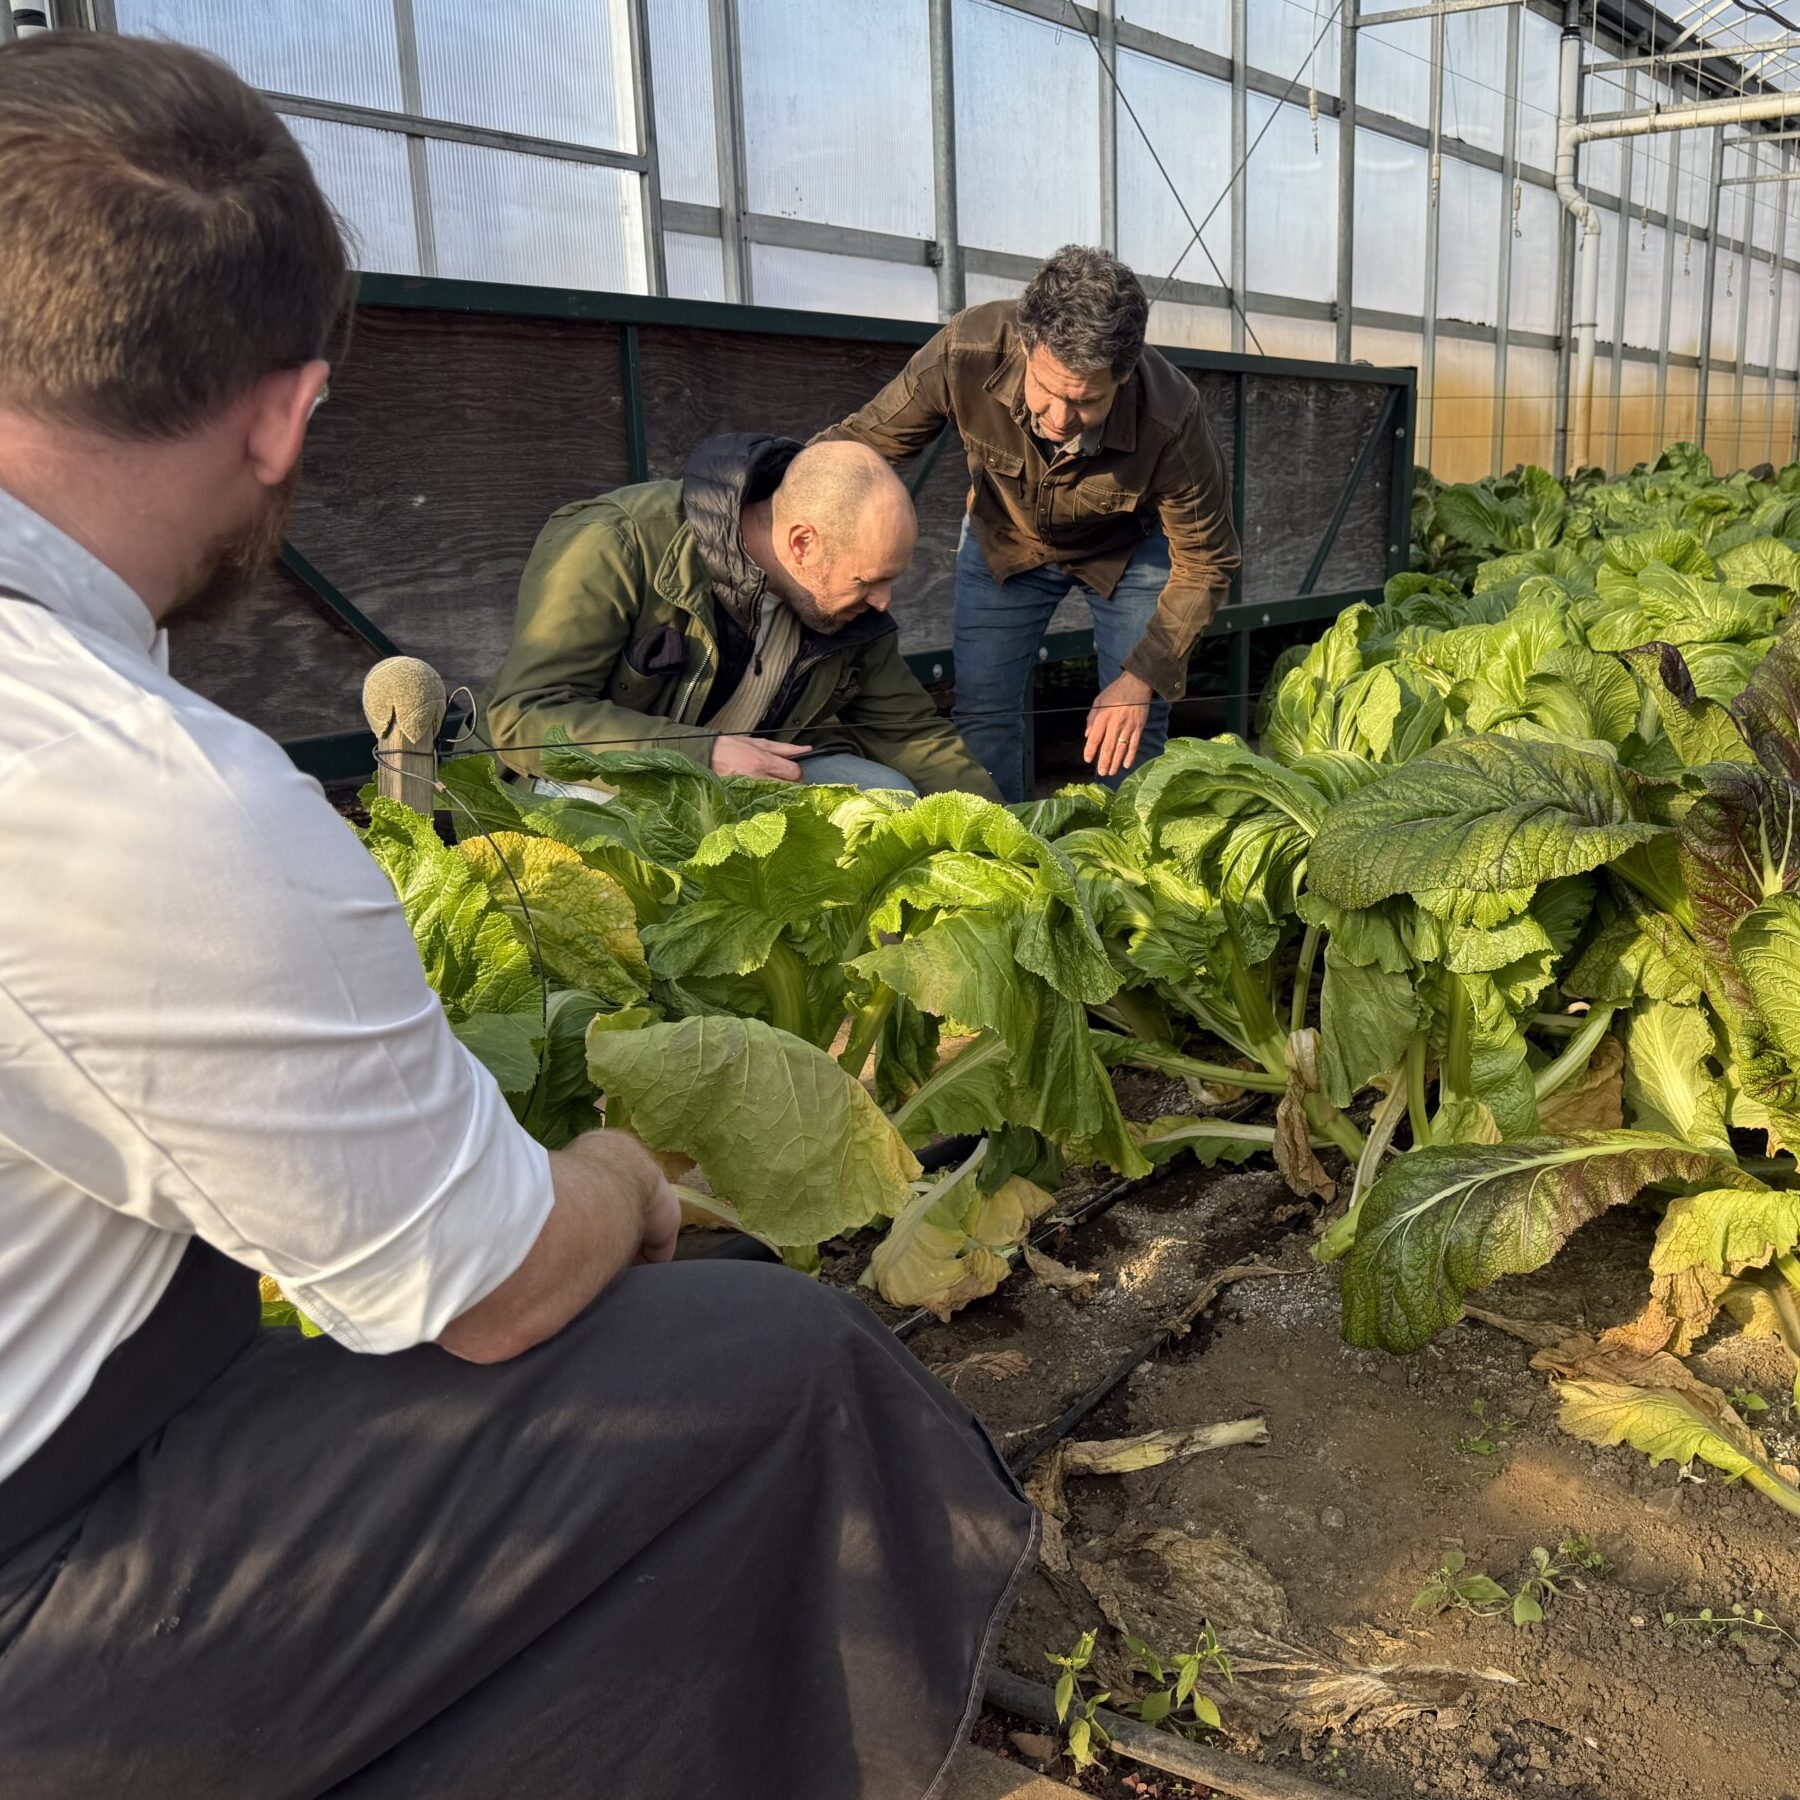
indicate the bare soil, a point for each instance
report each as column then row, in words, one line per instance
column 1367, row 1479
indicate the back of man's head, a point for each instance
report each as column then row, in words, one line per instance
column 164, row 243
column 1088, row 310
column 850, row 497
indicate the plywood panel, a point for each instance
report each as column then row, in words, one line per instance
column 272, row 659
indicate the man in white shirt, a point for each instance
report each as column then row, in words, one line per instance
column 530, row 1520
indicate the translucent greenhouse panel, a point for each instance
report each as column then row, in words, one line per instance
column 1644, row 248
column 1781, row 425
column 1537, row 230
column 816, row 281
column 1474, row 77
column 1599, row 166
column 1764, row 208
column 1540, row 73
column 1393, row 69
column 1203, row 22
column 979, row 289
column 824, row 82
column 1696, row 176
column 687, row 152
column 1175, row 324
column 550, row 68
column 1680, row 393
column 695, row 266
column 1762, row 313
column 1790, row 321
column 1637, row 414
column 1386, row 349
column 1462, row 410
column 366, row 176
column 1686, row 292
column 1603, row 433
column 1309, row 340
column 1286, row 37
column 1291, row 206
column 1608, row 311
column 1392, row 182
column 1027, row 126
column 331, row 50
column 1188, row 119
column 1728, row 284
column 1530, row 407
column 500, row 215
column 1755, row 425
column 1650, row 155
column 1722, row 421
column 1468, row 239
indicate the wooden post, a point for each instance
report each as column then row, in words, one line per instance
column 403, row 700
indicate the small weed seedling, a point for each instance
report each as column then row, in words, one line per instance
column 1747, row 1402
column 1488, row 1435
column 1074, row 1712
column 1331, row 1766
column 1580, row 1551
column 1452, row 1587
column 1179, row 1676
column 1542, row 1584
column 1734, row 1627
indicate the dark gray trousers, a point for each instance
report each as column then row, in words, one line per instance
column 722, row 1539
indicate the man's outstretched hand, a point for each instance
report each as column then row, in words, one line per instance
column 1116, row 723
column 757, row 756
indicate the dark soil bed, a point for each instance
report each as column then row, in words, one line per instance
column 1369, row 1476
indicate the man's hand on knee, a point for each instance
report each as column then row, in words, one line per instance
column 613, row 1207
column 757, row 756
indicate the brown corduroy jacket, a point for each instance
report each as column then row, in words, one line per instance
column 1157, row 465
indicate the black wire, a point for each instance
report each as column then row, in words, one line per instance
column 1274, row 113
column 1125, row 100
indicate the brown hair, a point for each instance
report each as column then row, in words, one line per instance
column 1088, row 310
column 165, row 245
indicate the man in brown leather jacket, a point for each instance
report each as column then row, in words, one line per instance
column 1089, row 464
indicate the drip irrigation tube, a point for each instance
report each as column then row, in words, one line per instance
column 1215, row 1769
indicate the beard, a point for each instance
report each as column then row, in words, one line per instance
column 812, row 615
column 233, row 560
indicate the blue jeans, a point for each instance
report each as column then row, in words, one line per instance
column 999, row 626
column 833, row 768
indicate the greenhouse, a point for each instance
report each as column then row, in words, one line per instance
column 899, row 899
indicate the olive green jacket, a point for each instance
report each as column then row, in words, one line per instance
column 616, row 642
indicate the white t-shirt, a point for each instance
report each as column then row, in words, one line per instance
column 212, row 1020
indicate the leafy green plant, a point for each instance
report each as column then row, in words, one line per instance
column 1733, row 1626
column 1455, row 1587
column 1077, row 1712
column 1542, row 1583
column 1489, row 1434
column 1579, row 1550
column 1177, row 1679
column 1746, row 1402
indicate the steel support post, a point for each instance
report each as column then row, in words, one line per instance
column 1509, row 175
column 1709, row 285
column 1106, row 35
column 1667, row 299
column 412, row 100
column 1565, row 283
column 728, row 124
column 1433, row 169
column 948, row 248
column 1240, row 143
column 1621, row 275
column 1746, row 260
column 1346, row 183
column 643, row 98
column 1775, row 300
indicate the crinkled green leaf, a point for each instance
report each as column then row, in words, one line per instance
column 505, row 1044
column 795, row 1145
column 1443, row 1221
column 1367, row 1016
column 948, row 1245
column 579, row 920
column 1484, row 814
column 1671, row 1085
column 472, row 955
